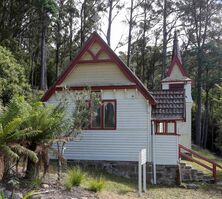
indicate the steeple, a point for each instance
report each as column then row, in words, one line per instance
column 176, row 49
column 176, row 61
column 176, row 76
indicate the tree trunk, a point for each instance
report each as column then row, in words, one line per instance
column 60, row 151
column 70, row 36
column 6, row 169
column 43, row 75
column 144, row 45
column 206, row 119
column 82, row 23
column 57, row 48
column 130, row 35
column 31, row 170
column 108, row 35
column 164, row 40
column 199, row 100
column 57, row 59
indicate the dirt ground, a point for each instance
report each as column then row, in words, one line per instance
column 165, row 193
column 116, row 188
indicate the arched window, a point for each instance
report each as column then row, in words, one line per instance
column 105, row 116
column 96, row 120
column 109, row 116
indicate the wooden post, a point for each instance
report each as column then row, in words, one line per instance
column 215, row 173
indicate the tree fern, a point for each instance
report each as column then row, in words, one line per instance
column 21, row 150
column 8, row 152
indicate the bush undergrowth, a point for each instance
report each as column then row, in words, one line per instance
column 97, row 184
column 74, row 177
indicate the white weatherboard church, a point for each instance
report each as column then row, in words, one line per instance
column 131, row 117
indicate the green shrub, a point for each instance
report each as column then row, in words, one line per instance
column 2, row 195
column 74, row 177
column 97, row 184
column 36, row 183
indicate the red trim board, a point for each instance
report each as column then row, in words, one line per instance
column 115, row 59
column 176, row 61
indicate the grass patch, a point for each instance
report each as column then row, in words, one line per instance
column 74, row 177
column 97, row 184
column 122, row 188
column 113, row 183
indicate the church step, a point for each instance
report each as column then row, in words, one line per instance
column 190, row 174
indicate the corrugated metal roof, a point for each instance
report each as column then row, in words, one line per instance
column 170, row 105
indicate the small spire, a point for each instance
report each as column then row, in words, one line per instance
column 176, row 58
column 176, row 49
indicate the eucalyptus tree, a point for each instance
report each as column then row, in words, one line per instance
column 45, row 8
column 114, row 8
column 89, row 17
column 147, row 24
column 198, row 19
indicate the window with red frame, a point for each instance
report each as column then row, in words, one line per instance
column 165, row 127
column 105, row 115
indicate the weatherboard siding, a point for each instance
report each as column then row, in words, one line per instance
column 100, row 74
column 166, row 148
column 122, row 144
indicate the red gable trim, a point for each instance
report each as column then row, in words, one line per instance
column 128, row 73
column 174, row 61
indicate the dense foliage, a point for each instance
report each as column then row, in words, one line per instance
column 12, row 77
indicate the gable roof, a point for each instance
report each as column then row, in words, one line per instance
column 114, row 58
column 176, row 58
column 170, row 105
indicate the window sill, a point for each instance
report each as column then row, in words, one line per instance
column 104, row 129
column 167, row 134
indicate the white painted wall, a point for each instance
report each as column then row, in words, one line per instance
column 166, row 149
column 184, row 128
column 100, row 74
column 124, row 143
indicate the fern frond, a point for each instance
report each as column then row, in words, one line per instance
column 8, row 152
column 21, row 150
column 12, row 126
column 24, row 134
